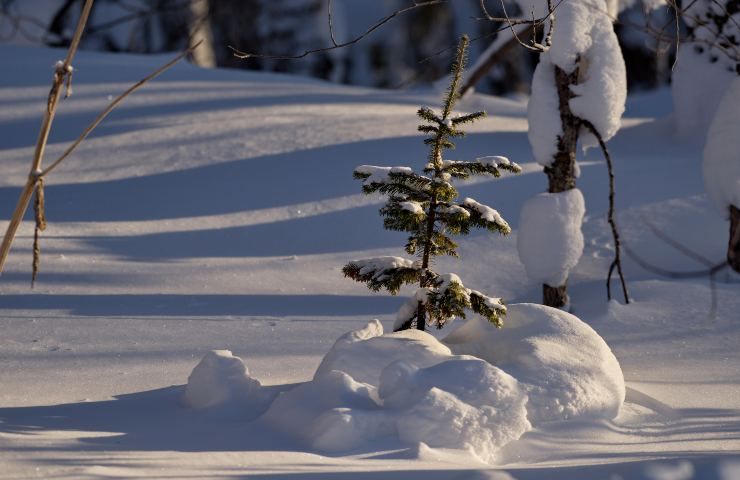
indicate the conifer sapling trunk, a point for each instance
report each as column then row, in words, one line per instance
column 425, row 205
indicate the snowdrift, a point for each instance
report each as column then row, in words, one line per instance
column 566, row 368
column 478, row 390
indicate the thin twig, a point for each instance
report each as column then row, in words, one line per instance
column 675, row 243
column 709, row 272
column 331, row 27
column 617, row 262
column 513, row 32
column 112, row 105
column 335, row 45
column 244, row 55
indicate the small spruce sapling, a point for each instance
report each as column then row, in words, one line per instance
column 426, row 207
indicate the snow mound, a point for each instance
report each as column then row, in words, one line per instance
column 408, row 387
column 564, row 366
column 721, row 163
column 222, row 380
column 424, row 394
column 364, row 353
column 463, row 403
column 550, row 241
column 331, row 413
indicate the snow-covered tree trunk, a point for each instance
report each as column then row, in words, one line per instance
column 705, row 64
column 733, row 249
column 580, row 80
column 722, row 166
column 561, row 173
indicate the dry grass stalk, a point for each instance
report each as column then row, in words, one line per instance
column 34, row 183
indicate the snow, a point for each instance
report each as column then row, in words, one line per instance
column 413, row 207
column 543, row 112
column 549, row 366
column 333, row 413
column 721, row 162
column 489, row 214
column 454, row 210
column 563, row 365
column 410, row 306
column 456, row 403
column 550, row 241
column 364, row 354
column 494, row 161
column 222, row 380
column 175, row 229
column 381, row 174
column 381, row 265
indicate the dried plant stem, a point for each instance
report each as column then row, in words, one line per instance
column 60, row 74
column 112, row 105
column 37, row 173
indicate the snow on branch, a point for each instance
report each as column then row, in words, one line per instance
column 447, row 299
column 383, row 272
column 491, row 308
column 401, row 183
column 481, row 166
column 485, row 216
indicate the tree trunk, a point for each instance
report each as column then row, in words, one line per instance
column 200, row 30
column 733, row 248
column 554, row 296
column 561, row 174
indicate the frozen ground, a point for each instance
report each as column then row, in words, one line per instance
column 214, row 210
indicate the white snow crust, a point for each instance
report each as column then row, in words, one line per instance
column 566, row 368
column 722, row 152
column 550, row 241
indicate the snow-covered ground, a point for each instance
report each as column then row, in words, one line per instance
column 215, row 209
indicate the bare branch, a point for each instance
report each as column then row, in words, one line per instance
column 617, row 262
column 331, row 27
column 244, row 55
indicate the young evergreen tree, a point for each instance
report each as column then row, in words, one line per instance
column 425, row 206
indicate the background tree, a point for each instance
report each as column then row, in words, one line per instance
column 426, row 207
column 706, row 64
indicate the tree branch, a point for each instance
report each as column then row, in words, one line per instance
column 617, row 262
